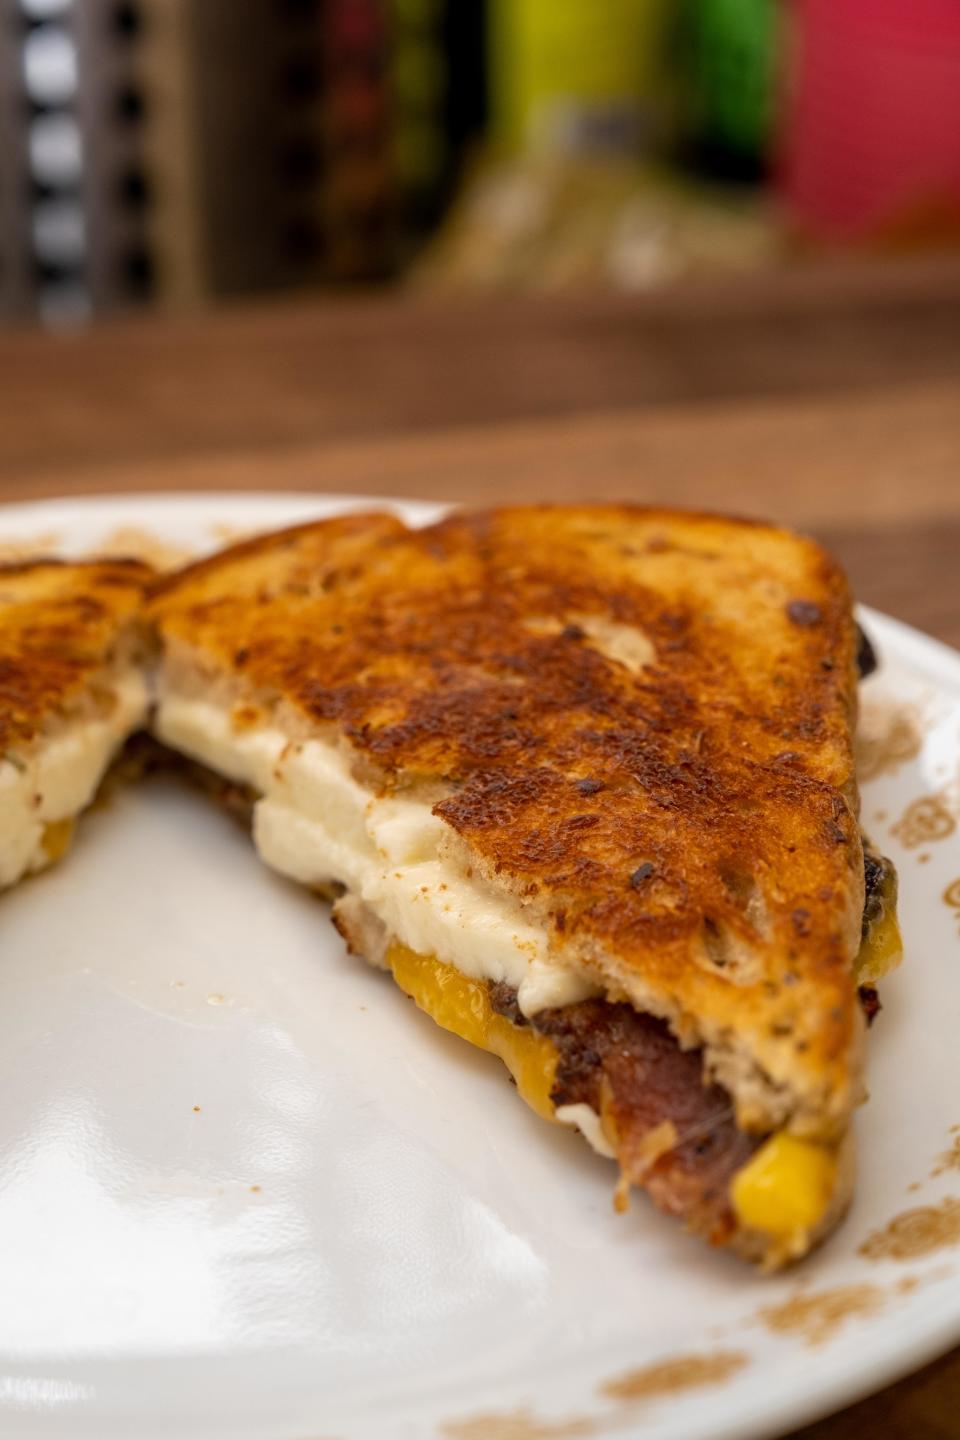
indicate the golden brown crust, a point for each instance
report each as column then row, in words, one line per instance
column 60, row 623
column 641, row 723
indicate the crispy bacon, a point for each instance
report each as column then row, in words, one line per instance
column 628, row 1068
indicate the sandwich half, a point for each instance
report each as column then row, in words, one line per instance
column 72, row 689
column 582, row 779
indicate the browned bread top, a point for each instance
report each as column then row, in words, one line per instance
column 640, row 723
column 61, row 624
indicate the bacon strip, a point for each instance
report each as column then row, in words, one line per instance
column 630, row 1069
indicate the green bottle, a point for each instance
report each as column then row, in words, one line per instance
column 727, row 55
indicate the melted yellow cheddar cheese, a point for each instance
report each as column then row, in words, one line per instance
column 784, row 1190
column 57, row 835
column 463, row 1006
column 882, row 947
column 786, row 1187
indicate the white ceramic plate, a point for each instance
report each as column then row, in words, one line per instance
column 248, row 1191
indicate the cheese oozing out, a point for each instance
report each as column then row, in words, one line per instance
column 783, row 1190
column 44, row 787
column 463, row 1007
column 316, row 823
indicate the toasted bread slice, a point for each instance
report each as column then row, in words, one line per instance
column 586, row 776
column 72, row 689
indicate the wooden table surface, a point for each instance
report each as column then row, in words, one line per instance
column 828, row 398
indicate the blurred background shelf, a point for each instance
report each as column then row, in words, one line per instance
column 171, row 153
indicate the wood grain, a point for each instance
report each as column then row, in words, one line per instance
column 829, row 400
column 875, row 474
column 288, row 374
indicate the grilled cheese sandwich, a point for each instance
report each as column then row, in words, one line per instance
column 73, row 688
column 582, row 780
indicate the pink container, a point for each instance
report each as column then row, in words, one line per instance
column 871, row 135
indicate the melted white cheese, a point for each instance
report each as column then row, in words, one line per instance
column 316, row 823
column 57, row 778
column 587, row 1121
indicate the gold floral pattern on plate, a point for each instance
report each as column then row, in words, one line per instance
column 948, row 1159
column 135, row 543
column 519, row 1425
column 671, row 1377
column 814, row 1316
column 30, row 548
column 916, row 1233
column 951, row 897
column 925, row 820
column 676, row 1375
column 887, row 737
